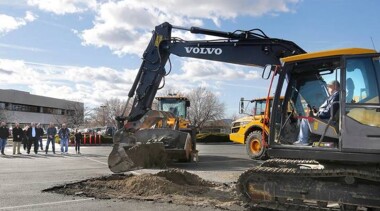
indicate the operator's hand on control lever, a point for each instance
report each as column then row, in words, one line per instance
column 308, row 111
column 311, row 111
column 315, row 111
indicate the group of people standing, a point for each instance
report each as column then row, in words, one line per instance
column 32, row 135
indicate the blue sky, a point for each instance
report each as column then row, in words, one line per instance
column 90, row 50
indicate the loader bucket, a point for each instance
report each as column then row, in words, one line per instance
column 148, row 147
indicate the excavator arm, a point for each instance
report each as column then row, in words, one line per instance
column 239, row 47
column 252, row 48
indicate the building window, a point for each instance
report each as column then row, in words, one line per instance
column 71, row 112
column 55, row 111
column 26, row 108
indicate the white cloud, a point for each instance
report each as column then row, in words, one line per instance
column 29, row 16
column 61, row 7
column 9, row 23
column 18, row 47
column 199, row 70
column 125, row 26
column 92, row 85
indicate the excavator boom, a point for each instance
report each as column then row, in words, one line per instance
column 252, row 48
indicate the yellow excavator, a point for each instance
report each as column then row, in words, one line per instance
column 339, row 165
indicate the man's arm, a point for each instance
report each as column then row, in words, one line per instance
column 333, row 103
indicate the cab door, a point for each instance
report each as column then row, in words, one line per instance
column 361, row 108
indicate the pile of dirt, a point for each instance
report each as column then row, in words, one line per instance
column 172, row 186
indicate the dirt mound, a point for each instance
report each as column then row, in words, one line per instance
column 182, row 177
column 173, row 186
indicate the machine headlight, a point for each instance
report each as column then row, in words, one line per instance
column 244, row 123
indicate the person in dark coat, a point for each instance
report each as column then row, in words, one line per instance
column 51, row 132
column 41, row 132
column 18, row 135
column 64, row 135
column 33, row 136
column 78, row 139
column 25, row 138
column 4, row 134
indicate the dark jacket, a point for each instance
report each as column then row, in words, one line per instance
column 64, row 133
column 4, row 132
column 18, row 134
column 51, row 131
column 326, row 107
column 78, row 137
column 40, row 132
column 29, row 133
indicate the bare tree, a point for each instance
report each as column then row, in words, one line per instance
column 114, row 107
column 2, row 112
column 204, row 106
column 172, row 91
column 75, row 114
column 105, row 114
column 235, row 116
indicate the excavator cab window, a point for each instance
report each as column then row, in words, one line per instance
column 306, row 88
column 362, row 88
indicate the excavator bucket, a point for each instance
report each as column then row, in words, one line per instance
column 148, row 147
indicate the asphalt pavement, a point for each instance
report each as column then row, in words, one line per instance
column 23, row 177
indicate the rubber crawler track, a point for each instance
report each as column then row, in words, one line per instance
column 283, row 168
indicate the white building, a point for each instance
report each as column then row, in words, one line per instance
column 24, row 108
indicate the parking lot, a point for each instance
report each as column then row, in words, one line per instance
column 23, row 177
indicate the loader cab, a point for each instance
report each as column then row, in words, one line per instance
column 174, row 104
column 352, row 132
column 255, row 107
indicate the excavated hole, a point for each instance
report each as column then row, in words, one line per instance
column 170, row 186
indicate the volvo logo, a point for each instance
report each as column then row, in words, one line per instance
column 196, row 50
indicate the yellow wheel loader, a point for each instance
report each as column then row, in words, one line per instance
column 177, row 105
column 248, row 130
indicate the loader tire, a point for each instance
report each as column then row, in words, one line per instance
column 254, row 147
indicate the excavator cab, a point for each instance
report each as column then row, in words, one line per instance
column 339, row 165
column 352, row 128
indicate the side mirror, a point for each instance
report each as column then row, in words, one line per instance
column 187, row 104
column 267, row 71
column 241, row 109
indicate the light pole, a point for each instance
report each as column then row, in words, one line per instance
column 104, row 115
